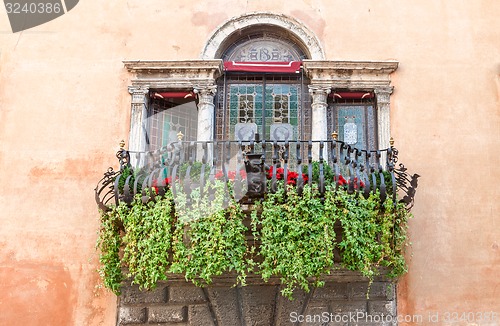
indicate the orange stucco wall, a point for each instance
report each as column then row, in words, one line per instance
column 64, row 107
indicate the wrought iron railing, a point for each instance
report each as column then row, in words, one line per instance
column 255, row 168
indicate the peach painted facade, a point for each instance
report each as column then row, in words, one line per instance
column 64, row 107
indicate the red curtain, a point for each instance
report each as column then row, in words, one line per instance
column 275, row 67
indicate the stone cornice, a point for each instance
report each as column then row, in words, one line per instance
column 350, row 74
column 174, row 74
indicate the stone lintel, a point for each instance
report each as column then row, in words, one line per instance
column 184, row 74
column 364, row 75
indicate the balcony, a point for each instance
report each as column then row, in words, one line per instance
column 293, row 210
column 256, row 168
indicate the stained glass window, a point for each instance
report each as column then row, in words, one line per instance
column 354, row 122
column 268, row 101
column 169, row 116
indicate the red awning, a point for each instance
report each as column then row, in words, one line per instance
column 276, row 67
column 352, row 95
column 173, row 95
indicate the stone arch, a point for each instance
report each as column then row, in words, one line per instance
column 241, row 26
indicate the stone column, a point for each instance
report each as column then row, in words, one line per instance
column 319, row 130
column 384, row 118
column 137, row 136
column 206, row 111
column 206, row 117
column 384, row 115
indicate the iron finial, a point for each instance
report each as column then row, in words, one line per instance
column 335, row 135
column 180, row 135
column 391, row 141
column 122, row 144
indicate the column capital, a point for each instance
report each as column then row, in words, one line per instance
column 319, row 89
column 205, row 90
column 206, row 95
column 383, row 94
column 319, row 95
column 138, row 89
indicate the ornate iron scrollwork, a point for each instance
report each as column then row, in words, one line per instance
column 256, row 177
column 359, row 171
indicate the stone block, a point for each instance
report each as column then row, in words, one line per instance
column 186, row 294
column 200, row 315
column 382, row 290
column 131, row 315
column 382, row 307
column 132, row 295
column 348, row 307
column 258, row 304
column 167, row 314
column 285, row 307
column 224, row 301
column 317, row 315
column 332, row 291
column 160, row 324
column 357, row 290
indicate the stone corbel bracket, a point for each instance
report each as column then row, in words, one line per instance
column 367, row 75
column 186, row 74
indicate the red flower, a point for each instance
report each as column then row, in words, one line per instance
column 279, row 173
column 291, row 178
column 341, row 180
column 243, row 174
column 231, row 175
column 219, row 175
column 155, row 185
column 361, row 183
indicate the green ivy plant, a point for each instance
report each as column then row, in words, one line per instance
column 109, row 242
column 297, row 238
column 147, row 240
column 209, row 237
column 373, row 233
column 203, row 235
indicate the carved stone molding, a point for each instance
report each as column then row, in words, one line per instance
column 279, row 22
column 205, row 93
column 319, row 95
column 350, row 74
column 137, row 141
column 384, row 115
column 206, row 111
column 138, row 93
column 383, row 94
column 185, row 74
column 319, row 117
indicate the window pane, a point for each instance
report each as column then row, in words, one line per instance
column 167, row 117
column 246, row 104
column 350, row 123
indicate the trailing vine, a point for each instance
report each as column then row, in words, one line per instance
column 209, row 237
column 147, row 239
column 109, row 242
column 202, row 234
column 297, row 238
column 373, row 233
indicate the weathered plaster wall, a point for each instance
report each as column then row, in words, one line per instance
column 64, row 107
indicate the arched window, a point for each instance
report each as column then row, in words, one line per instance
column 262, row 73
column 169, row 113
column 263, row 89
